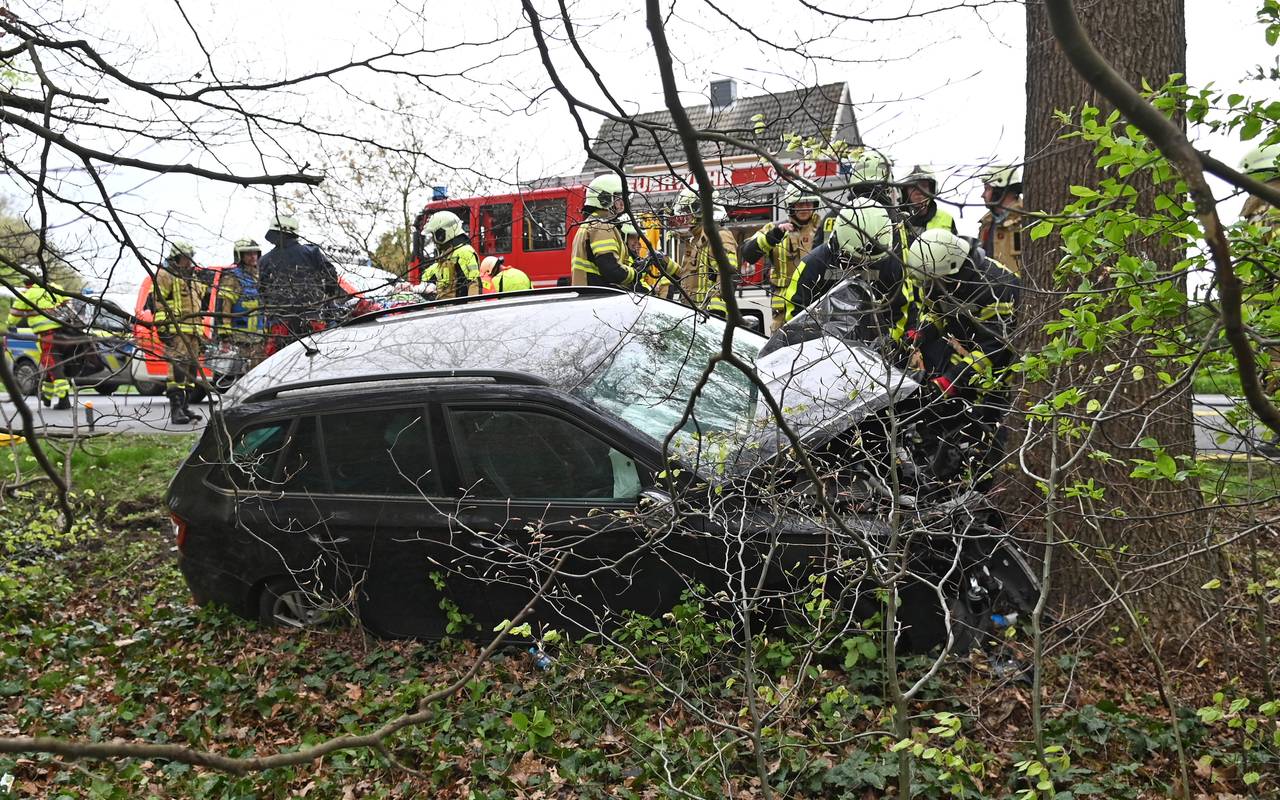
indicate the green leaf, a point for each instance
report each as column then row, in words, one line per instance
column 1250, row 778
column 1138, row 372
column 1251, row 128
column 1216, row 583
column 1041, row 230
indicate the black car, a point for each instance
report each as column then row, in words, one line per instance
column 436, row 466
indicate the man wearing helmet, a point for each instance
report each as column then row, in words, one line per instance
column 1000, row 229
column 783, row 244
column 920, row 187
column 1263, row 163
column 44, row 309
column 297, row 285
column 870, row 176
column 177, row 303
column 861, row 247
column 504, row 278
column 699, row 273
column 456, row 265
column 596, row 257
column 239, row 316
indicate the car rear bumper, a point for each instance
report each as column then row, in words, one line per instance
column 211, row 584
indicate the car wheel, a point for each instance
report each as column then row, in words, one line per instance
column 283, row 604
column 106, row 388
column 27, row 376
column 150, row 389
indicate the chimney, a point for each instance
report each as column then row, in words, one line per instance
column 723, row 93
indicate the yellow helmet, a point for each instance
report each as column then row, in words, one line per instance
column 937, row 253
column 603, row 191
column 443, row 226
column 863, row 230
column 1262, row 158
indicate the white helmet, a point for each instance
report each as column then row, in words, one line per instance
column 1003, row 178
column 922, row 173
column 491, row 265
column 285, row 224
column 798, row 194
column 1262, row 158
column 870, row 167
column 443, row 226
column 603, row 191
column 689, row 204
column 243, row 246
column 937, row 253
column 863, row 230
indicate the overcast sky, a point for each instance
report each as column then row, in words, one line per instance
column 945, row 89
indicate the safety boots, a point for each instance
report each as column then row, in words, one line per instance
column 177, row 407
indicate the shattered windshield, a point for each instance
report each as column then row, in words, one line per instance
column 650, row 377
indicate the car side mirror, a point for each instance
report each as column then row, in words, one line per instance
column 656, row 508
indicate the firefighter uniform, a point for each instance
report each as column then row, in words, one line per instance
column 454, row 272
column 41, row 310
column 1000, row 234
column 240, row 312
column 699, row 274
column 511, row 279
column 178, row 305
column 596, row 256
column 783, row 251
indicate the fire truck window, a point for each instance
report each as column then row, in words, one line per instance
column 495, row 228
column 545, row 223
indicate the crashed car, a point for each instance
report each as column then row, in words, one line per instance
column 447, row 463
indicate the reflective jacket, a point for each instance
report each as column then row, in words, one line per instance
column 295, row 279
column 596, row 257
column 699, row 274
column 455, row 270
column 783, row 251
column 966, row 324
column 822, row 268
column 1001, row 236
column 37, row 308
column 178, row 302
column 510, row 279
column 933, row 217
column 239, row 302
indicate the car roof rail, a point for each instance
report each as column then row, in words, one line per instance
column 544, row 293
column 496, row 375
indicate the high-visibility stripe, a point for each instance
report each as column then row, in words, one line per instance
column 600, row 248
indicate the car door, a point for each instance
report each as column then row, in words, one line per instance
column 539, row 479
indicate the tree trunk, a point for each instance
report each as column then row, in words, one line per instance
column 1143, row 39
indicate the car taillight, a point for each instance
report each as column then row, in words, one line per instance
column 179, row 530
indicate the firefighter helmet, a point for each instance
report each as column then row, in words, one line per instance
column 1007, row 178
column 243, row 246
column 603, row 191
column 688, row 203
column 870, row 167
column 179, row 248
column 937, row 253
column 443, row 226
column 1262, row 158
column 491, row 265
column 863, row 230
column 284, row 224
column 797, row 195
column 922, row 173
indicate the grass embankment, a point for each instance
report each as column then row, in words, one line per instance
column 98, row 640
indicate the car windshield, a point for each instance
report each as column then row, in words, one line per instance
column 650, row 377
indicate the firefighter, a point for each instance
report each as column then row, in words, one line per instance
column 698, row 273
column 45, row 312
column 920, row 189
column 597, row 253
column 652, row 266
column 1000, row 229
column 861, row 247
column 784, row 244
column 963, row 337
column 507, row 279
column 297, row 286
column 1261, row 163
column 179, row 307
column 239, row 312
column 457, row 266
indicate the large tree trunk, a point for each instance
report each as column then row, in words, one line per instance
column 1144, row 39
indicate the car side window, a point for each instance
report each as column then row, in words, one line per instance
column 529, row 455
column 255, row 454
column 383, row 452
column 303, row 462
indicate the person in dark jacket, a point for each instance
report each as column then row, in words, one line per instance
column 297, row 285
column 963, row 338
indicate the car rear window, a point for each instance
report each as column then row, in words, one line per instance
column 255, row 455
column 527, row 455
column 303, row 463
column 384, row 452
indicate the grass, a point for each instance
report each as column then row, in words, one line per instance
column 110, row 469
column 1240, row 481
column 1216, row 383
column 98, row 639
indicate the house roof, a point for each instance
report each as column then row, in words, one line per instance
column 821, row 112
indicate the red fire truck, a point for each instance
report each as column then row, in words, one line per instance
column 534, row 229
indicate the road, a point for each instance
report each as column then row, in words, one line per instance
column 131, row 413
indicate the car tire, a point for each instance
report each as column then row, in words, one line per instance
column 27, row 376
column 150, row 389
column 283, row 604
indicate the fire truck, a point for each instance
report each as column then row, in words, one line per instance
column 533, row 229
